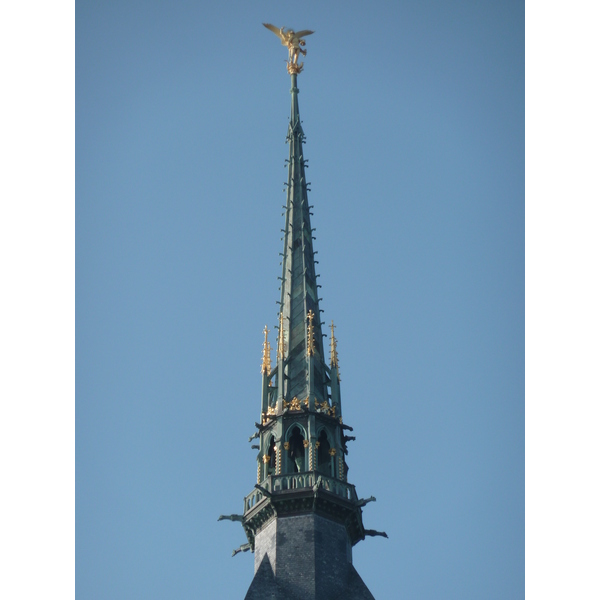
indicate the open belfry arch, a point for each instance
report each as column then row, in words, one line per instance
column 303, row 516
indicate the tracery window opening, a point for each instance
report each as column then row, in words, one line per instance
column 296, row 451
column 324, row 458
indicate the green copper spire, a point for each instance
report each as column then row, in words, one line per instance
column 304, row 367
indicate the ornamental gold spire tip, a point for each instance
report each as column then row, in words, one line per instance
column 334, row 358
column 294, row 42
column 334, row 354
column 265, row 368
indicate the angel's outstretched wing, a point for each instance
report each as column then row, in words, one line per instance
column 303, row 33
column 274, row 29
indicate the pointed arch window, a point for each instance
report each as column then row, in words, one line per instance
column 296, row 451
column 324, row 458
column 271, row 453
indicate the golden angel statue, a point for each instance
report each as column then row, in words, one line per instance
column 294, row 43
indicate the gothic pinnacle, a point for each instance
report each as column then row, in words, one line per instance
column 334, row 359
column 266, row 359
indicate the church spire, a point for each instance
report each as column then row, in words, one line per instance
column 302, row 493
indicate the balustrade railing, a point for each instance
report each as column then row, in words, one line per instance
column 275, row 484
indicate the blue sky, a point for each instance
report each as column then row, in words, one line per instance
column 414, row 116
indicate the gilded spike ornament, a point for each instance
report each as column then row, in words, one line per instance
column 310, row 348
column 334, row 356
column 280, row 339
column 293, row 41
column 265, row 368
